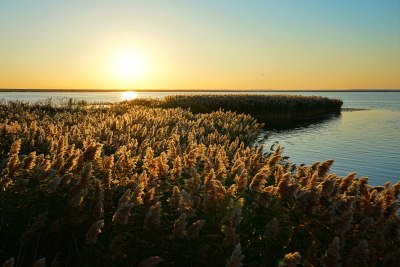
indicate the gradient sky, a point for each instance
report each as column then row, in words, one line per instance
column 203, row 44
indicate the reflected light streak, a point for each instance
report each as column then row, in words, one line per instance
column 130, row 95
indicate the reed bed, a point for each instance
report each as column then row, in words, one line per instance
column 135, row 186
column 265, row 108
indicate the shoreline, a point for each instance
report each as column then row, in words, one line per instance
column 354, row 109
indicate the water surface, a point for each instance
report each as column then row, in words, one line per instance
column 367, row 142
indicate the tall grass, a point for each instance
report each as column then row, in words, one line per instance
column 135, row 186
column 262, row 107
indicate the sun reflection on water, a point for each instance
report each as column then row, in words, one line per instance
column 129, row 95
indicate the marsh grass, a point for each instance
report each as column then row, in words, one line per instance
column 130, row 185
column 265, row 108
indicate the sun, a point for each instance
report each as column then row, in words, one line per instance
column 128, row 66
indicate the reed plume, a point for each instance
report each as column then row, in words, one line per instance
column 9, row 263
column 121, row 215
column 85, row 175
column 98, row 198
column 177, row 169
column 29, row 161
column 137, row 196
column 324, row 168
column 151, row 261
column 241, row 181
column 332, row 256
column 194, row 230
column 236, row 258
column 274, row 157
column 78, row 198
column 175, row 198
column 153, row 217
column 306, row 201
column 161, row 166
column 259, row 180
column 40, row 263
column 290, row 260
column 94, row 231
column 15, row 147
column 180, row 226
column 231, row 238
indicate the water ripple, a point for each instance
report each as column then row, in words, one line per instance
column 367, row 142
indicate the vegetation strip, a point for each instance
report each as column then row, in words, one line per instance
column 131, row 185
column 265, row 108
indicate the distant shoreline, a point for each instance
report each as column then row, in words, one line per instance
column 192, row 90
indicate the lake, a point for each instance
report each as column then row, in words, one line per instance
column 365, row 141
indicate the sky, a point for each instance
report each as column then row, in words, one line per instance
column 200, row 44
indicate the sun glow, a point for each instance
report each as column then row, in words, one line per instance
column 130, row 95
column 128, row 66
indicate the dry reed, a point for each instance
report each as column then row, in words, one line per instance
column 127, row 185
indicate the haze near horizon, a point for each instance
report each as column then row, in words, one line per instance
column 342, row 44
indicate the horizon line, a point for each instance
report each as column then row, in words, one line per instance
column 193, row 90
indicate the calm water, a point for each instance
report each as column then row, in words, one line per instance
column 367, row 142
